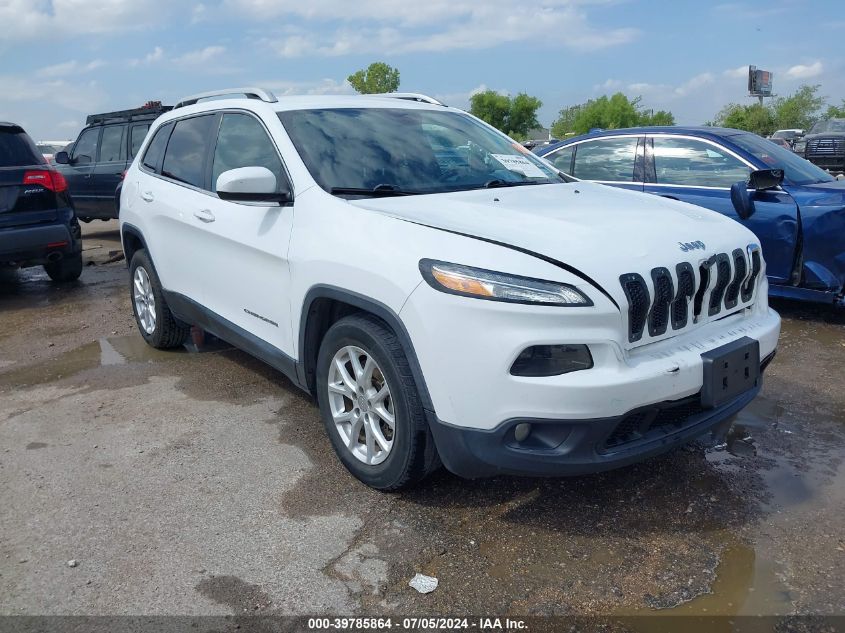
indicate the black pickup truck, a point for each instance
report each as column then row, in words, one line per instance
column 38, row 226
column 825, row 145
column 98, row 159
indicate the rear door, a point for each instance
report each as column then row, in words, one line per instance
column 701, row 172
column 109, row 169
column 614, row 160
column 79, row 172
column 20, row 202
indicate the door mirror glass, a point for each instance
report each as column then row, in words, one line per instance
column 62, row 158
column 742, row 200
column 250, row 184
column 764, row 179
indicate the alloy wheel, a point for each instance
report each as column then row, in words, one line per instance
column 361, row 405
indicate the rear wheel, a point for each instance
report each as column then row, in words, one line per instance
column 66, row 269
column 156, row 323
column 370, row 405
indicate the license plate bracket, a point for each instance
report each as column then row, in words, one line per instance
column 730, row 371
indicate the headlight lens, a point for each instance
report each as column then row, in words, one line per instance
column 494, row 286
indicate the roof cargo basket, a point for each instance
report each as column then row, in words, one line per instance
column 150, row 108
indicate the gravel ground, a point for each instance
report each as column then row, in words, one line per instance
column 203, row 484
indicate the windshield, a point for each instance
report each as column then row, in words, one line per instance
column 797, row 171
column 387, row 151
column 44, row 148
column 831, row 125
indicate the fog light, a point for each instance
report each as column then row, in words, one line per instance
column 521, row 431
column 552, row 360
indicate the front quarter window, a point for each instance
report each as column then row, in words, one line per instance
column 400, row 151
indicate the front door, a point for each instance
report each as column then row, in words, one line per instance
column 243, row 257
column 701, row 172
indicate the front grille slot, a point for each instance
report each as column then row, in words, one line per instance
column 686, row 290
column 748, row 287
column 740, row 271
column 723, row 278
column 658, row 318
column 639, row 300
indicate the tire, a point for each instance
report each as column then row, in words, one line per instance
column 66, row 269
column 159, row 327
column 412, row 454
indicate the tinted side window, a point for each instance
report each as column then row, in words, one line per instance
column 243, row 142
column 682, row 161
column 86, row 146
column 139, row 132
column 113, row 145
column 184, row 159
column 607, row 159
column 155, row 150
column 562, row 159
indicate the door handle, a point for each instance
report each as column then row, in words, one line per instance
column 205, row 215
column 148, row 196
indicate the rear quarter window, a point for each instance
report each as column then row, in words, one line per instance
column 155, row 150
column 17, row 149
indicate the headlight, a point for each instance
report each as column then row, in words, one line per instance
column 494, row 286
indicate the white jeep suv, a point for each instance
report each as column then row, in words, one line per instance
column 446, row 296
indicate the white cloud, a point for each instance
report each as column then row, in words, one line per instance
column 808, row 71
column 72, row 67
column 25, row 19
column 321, row 87
column 439, row 25
column 199, row 57
column 739, row 72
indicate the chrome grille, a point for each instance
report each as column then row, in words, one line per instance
column 724, row 281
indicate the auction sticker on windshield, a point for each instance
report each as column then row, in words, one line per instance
column 520, row 164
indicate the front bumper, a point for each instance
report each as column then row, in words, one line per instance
column 578, row 447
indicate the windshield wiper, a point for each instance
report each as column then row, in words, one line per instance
column 378, row 190
column 498, row 182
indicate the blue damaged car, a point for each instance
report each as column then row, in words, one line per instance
column 795, row 208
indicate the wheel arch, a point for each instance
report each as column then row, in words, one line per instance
column 132, row 240
column 324, row 305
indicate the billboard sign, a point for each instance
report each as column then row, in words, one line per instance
column 759, row 82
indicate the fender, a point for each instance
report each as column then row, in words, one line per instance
column 386, row 314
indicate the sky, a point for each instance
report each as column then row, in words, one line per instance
column 63, row 59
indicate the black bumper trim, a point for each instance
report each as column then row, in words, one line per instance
column 475, row 453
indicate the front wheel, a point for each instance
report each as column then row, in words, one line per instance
column 156, row 323
column 370, row 405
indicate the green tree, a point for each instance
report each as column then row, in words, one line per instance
column 514, row 116
column 753, row 118
column 377, row 78
column 799, row 110
column 607, row 113
column 835, row 112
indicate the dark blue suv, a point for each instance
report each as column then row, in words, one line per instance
column 38, row 226
column 796, row 209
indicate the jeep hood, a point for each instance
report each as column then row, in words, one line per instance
column 602, row 232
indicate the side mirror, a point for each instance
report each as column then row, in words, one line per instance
column 62, row 158
column 250, row 184
column 764, row 179
column 741, row 199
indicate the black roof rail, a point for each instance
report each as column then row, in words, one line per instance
column 152, row 109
